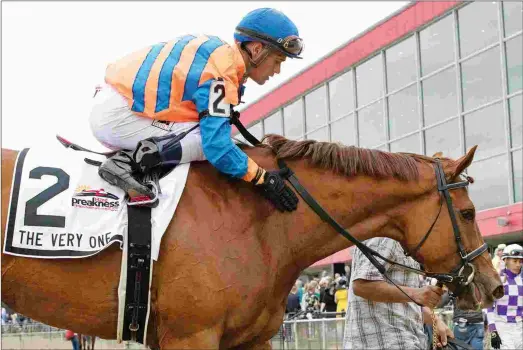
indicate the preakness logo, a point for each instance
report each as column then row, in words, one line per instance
column 85, row 197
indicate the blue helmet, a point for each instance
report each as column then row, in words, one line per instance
column 270, row 27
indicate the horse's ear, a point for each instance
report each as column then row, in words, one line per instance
column 438, row 155
column 463, row 162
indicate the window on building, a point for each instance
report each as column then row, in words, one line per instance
column 293, row 120
column 408, row 144
column 273, row 124
column 515, row 64
column 369, row 80
column 319, row 135
column 481, row 79
column 516, row 116
column 437, row 45
column 343, row 130
column 256, row 130
column 513, row 16
column 440, row 97
column 403, row 112
column 486, row 128
column 316, row 108
column 478, row 26
column 443, row 138
column 490, row 188
column 401, row 64
column 341, row 95
column 517, row 159
column 371, row 125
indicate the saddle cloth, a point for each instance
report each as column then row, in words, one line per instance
column 61, row 208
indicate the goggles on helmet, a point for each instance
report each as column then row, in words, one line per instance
column 291, row 46
column 516, row 253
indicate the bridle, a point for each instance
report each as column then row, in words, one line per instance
column 460, row 277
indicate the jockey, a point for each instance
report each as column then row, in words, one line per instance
column 153, row 99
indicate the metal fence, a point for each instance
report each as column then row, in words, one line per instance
column 312, row 332
column 325, row 333
column 317, row 332
column 28, row 327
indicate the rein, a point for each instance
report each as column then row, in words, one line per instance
column 456, row 276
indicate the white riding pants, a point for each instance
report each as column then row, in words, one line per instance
column 511, row 334
column 117, row 127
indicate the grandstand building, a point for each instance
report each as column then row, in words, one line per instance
column 434, row 76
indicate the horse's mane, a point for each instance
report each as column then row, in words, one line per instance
column 349, row 160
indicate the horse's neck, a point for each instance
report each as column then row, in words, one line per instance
column 362, row 205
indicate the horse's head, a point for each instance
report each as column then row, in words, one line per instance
column 441, row 231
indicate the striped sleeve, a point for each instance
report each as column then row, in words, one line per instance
column 490, row 317
column 218, row 147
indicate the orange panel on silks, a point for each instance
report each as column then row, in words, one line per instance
column 160, row 80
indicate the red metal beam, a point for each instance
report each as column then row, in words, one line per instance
column 401, row 24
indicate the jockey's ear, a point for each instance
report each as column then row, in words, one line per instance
column 463, row 162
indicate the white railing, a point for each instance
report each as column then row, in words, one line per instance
column 321, row 333
column 32, row 327
column 302, row 332
column 324, row 333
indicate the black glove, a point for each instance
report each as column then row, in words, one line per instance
column 274, row 189
column 495, row 340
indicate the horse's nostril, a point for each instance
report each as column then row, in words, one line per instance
column 498, row 292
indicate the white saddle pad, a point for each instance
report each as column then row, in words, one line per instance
column 61, row 208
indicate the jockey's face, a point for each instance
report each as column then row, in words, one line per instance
column 268, row 67
column 514, row 265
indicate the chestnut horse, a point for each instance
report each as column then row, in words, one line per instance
column 229, row 259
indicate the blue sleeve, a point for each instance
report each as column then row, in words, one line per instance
column 218, row 147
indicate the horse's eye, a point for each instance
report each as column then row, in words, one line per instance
column 468, row 214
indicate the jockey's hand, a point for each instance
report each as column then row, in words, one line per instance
column 274, row 189
column 495, row 340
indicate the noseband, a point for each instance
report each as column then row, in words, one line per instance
column 457, row 277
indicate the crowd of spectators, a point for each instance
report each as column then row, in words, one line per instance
column 325, row 296
column 13, row 318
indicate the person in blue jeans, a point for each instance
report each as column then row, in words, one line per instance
column 469, row 326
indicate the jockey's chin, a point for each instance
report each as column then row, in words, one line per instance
column 260, row 80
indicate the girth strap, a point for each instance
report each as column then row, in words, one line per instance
column 138, row 273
